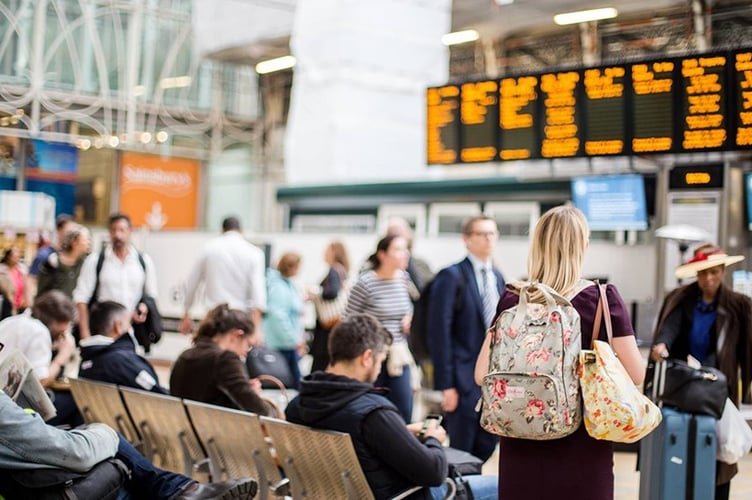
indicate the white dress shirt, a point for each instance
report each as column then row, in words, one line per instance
column 32, row 338
column 232, row 270
column 120, row 280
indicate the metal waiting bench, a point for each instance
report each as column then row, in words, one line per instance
column 100, row 402
column 236, row 444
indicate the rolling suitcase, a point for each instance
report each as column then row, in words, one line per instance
column 701, row 485
column 664, row 458
column 677, row 461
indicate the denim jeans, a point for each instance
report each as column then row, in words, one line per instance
column 400, row 391
column 292, row 358
column 483, row 488
column 147, row 481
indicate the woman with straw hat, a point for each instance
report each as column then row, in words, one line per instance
column 712, row 323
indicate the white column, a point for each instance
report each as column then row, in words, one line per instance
column 357, row 110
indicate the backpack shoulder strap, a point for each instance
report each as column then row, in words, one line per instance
column 143, row 266
column 100, row 263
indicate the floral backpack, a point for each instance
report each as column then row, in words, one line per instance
column 532, row 390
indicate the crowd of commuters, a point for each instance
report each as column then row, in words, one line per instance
column 364, row 378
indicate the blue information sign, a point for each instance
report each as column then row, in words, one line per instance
column 611, row 203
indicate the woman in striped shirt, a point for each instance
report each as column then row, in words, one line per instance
column 384, row 292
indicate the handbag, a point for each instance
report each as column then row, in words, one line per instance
column 462, row 463
column 263, row 360
column 329, row 312
column 614, row 408
column 734, row 435
column 103, row 482
column 674, row 383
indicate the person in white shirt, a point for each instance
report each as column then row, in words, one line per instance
column 36, row 333
column 122, row 279
column 232, row 271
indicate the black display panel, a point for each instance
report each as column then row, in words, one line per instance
column 652, row 86
column 442, row 124
column 478, row 115
column 604, row 110
column 518, row 104
column 702, row 124
column 693, row 103
column 696, row 177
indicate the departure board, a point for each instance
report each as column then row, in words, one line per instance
column 703, row 124
column 518, row 105
column 686, row 104
column 605, row 103
column 478, row 115
column 742, row 72
column 560, row 138
column 442, row 124
column 652, row 107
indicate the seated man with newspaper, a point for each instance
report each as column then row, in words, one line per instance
column 37, row 459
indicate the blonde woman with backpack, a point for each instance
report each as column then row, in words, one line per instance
column 574, row 466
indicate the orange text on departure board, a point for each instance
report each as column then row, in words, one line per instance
column 704, row 120
column 743, row 69
column 516, row 96
column 560, row 131
column 477, row 99
column 442, row 104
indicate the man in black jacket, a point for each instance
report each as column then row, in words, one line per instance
column 111, row 355
column 394, row 456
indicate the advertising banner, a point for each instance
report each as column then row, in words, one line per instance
column 51, row 169
column 159, row 192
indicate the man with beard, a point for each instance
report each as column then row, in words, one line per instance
column 394, row 456
column 125, row 276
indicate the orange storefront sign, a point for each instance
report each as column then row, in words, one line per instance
column 159, row 192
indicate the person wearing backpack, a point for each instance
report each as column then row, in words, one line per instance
column 122, row 274
column 576, row 465
column 461, row 307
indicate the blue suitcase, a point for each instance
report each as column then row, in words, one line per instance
column 677, row 460
column 664, row 459
column 702, row 450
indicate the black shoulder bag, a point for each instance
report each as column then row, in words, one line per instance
column 103, row 481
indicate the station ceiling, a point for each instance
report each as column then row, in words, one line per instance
column 493, row 20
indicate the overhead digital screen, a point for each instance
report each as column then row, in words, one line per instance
column 694, row 103
column 652, row 107
column 611, row 203
column 518, row 107
column 442, row 124
column 605, row 105
column 742, row 72
column 560, row 120
column 703, row 126
column 479, row 114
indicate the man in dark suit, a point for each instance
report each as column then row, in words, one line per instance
column 462, row 306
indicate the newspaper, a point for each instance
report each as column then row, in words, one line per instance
column 19, row 382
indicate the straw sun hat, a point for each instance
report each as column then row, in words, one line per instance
column 705, row 258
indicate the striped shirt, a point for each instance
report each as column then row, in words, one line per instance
column 387, row 299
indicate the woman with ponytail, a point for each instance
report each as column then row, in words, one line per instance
column 213, row 370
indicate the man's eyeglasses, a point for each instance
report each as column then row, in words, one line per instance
column 485, row 234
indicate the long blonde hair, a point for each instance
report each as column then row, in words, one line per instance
column 558, row 248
